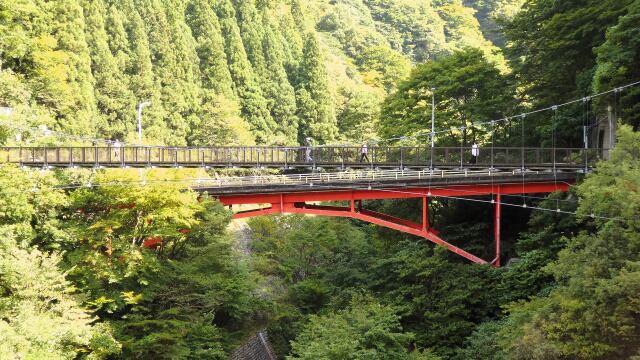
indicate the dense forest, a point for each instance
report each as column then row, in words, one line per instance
column 271, row 72
column 95, row 264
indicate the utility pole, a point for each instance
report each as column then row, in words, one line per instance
column 433, row 115
column 141, row 106
column 433, row 122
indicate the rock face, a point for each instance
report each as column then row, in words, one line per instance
column 256, row 348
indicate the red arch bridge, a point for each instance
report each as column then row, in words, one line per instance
column 300, row 194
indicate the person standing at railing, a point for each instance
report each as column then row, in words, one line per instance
column 364, row 150
column 307, row 150
column 475, row 152
column 116, row 148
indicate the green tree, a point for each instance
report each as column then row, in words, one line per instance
column 182, row 313
column 254, row 105
column 550, row 45
column 279, row 92
column 440, row 301
column 383, row 67
column 591, row 312
column 315, row 103
column 618, row 62
column 358, row 112
column 469, row 89
column 482, row 344
column 114, row 99
column 142, row 75
column 366, row 330
column 213, row 60
column 41, row 314
column 114, row 223
column 76, row 104
column 220, row 123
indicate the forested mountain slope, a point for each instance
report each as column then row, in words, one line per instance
column 220, row 71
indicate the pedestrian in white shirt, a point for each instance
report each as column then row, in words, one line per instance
column 364, row 150
column 116, row 148
column 475, row 152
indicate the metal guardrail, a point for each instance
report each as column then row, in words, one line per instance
column 350, row 177
column 288, row 157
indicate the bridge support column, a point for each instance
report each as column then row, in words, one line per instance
column 425, row 213
column 496, row 228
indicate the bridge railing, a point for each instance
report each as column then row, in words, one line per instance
column 338, row 156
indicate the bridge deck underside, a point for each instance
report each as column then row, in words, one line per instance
column 483, row 183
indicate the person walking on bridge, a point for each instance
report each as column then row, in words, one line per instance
column 307, row 150
column 116, row 149
column 364, row 150
column 475, row 152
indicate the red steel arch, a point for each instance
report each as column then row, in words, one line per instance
column 298, row 203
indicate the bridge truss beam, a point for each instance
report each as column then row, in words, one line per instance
column 301, row 203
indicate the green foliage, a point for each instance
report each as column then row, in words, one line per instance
column 546, row 235
column 112, row 224
column 357, row 114
column 315, row 108
column 366, row 330
column 41, row 318
column 441, row 302
column 221, row 123
column 41, row 315
column 618, row 61
column 469, row 88
column 291, row 68
column 590, row 313
column 482, row 344
column 550, row 45
column 188, row 300
column 382, row 67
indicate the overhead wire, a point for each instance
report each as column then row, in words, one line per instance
column 615, row 90
column 508, row 118
column 558, row 210
column 315, row 185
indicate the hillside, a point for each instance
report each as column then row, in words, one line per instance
column 219, row 71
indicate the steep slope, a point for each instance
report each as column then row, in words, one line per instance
column 219, row 71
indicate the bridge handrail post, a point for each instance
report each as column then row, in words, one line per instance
column 20, row 156
column 374, row 156
column 586, row 160
column 401, row 157
column 46, row 157
column 286, row 158
column 70, row 156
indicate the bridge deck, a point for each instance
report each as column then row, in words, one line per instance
column 291, row 157
column 372, row 180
